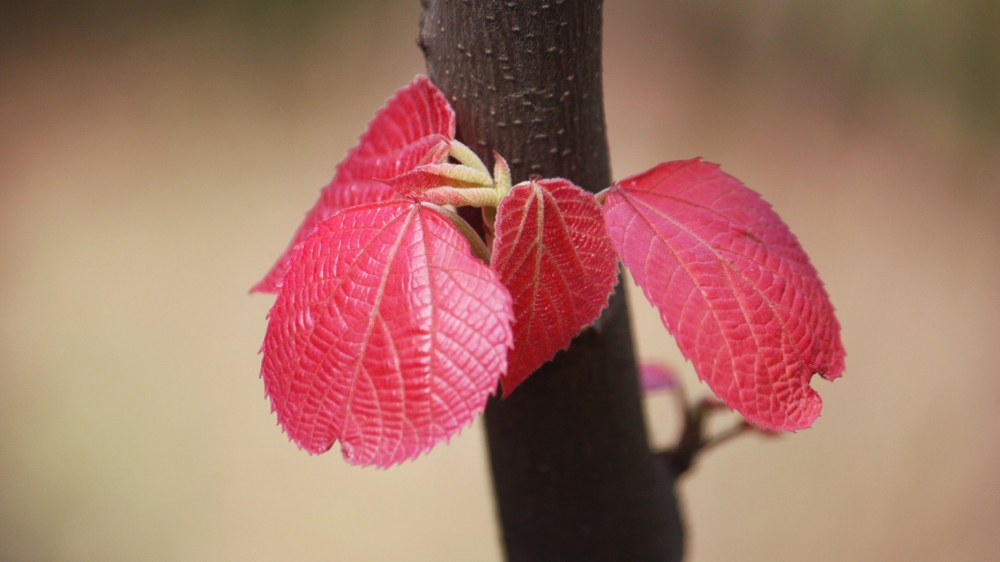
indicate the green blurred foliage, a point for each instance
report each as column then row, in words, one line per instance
column 949, row 51
column 36, row 24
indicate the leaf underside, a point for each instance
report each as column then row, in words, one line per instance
column 553, row 253
column 733, row 285
column 414, row 128
column 386, row 335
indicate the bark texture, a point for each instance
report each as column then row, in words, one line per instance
column 573, row 475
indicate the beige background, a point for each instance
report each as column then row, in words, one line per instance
column 155, row 160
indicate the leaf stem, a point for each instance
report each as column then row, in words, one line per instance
column 459, row 151
column 462, row 197
column 602, row 195
column 476, row 244
column 720, row 438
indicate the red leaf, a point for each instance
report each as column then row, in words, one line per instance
column 732, row 285
column 551, row 250
column 415, row 127
column 386, row 334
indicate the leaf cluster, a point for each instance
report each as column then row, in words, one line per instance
column 395, row 319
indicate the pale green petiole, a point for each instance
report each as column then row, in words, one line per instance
column 462, row 197
column 463, row 176
column 488, row 196
column 466, row 156
column 476, row 244
column 602, row 195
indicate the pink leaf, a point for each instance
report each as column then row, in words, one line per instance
column 415, row 127
column 657, row 376
column 386, row 334
column 732, row 285
column 551, row 250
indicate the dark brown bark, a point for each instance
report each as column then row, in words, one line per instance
column 573, row 475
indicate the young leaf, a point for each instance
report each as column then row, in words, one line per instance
column 732, row 285
column 551, row 250
column 431, row 176
column 447, row 184
column 414, row 128
column 386, row 335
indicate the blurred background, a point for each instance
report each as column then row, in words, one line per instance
column 155, row 157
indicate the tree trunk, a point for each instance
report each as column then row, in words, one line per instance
column 573, row 474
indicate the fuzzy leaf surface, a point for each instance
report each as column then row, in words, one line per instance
column 432, row 176
column 733, row 285
column 414, row 128
column 387, row 334
column 553, row 253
